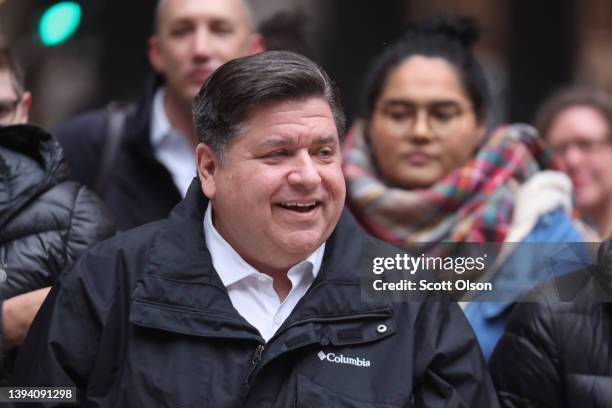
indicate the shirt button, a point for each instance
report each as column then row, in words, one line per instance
column 278, row 320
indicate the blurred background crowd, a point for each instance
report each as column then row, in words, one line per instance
column 528, row 49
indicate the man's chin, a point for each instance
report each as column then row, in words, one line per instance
column 302, row 246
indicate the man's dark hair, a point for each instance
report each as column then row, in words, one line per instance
column 8, row 63
column 594, row 98
column 222, row 106
column 443, row 36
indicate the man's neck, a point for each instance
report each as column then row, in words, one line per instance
column 602, row 218
column 280, row 281
column 179, row 116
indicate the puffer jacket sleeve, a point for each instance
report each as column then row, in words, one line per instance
column 90, row 223
column 524, row 365
column 453, row 370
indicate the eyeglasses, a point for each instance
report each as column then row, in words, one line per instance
column 7, row 110
column 583, row 146
column 443, row 118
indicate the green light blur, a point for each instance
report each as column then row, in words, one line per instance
column 59, row 22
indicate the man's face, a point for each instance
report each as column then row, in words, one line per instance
column 13, row 110
column 280, row 191
column 195, row 37
column 580, row 139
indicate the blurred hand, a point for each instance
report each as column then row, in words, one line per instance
column 17, row 315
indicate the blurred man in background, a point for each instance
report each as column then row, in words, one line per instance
column 141, row 161
column 577, row 124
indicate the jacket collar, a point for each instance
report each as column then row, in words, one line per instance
column 179, row 280
column 138, row 124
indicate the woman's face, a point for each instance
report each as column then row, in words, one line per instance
column 423, row 125
column 580, row 139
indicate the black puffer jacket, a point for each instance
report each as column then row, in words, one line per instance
column 558, row 352
column 46, row 222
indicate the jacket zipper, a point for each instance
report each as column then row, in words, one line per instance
column 254, row 364
column 257, row 355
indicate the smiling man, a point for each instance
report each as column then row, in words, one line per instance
column 249, row 294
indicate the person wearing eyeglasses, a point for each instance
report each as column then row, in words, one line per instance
column 576, row 122
column 423, row 173
column 46, row 221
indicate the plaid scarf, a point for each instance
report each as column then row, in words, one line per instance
column 473, row 203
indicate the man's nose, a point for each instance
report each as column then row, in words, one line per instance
column 202, row 42
column 573, row 156
column 304, row 172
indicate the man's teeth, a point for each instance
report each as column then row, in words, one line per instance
column 299, row 205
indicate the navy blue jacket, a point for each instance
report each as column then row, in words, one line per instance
column 139, row 188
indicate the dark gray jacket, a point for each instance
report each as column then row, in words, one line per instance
column 46, row 222
column 144, row 320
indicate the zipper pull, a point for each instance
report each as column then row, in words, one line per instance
column 254, row 363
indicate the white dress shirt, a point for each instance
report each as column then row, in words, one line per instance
column 250, row 291
column 171, row 148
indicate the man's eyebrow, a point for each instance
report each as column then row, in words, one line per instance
column 286, row 141
column 325, row 140
column 275, row 143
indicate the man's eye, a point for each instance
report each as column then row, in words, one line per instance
column 325, row 152
column 181, row 31
column 222, row 28
column 276, row 154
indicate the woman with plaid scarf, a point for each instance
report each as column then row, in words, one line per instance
column 422, row 173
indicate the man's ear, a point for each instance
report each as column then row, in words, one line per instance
column 207, row 164
column 155, row 54
column 257, row 43
column 23, row 109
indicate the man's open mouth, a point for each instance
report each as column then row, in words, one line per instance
column 300, row 207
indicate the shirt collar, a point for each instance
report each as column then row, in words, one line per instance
column 160, row 124
column 232, row 268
